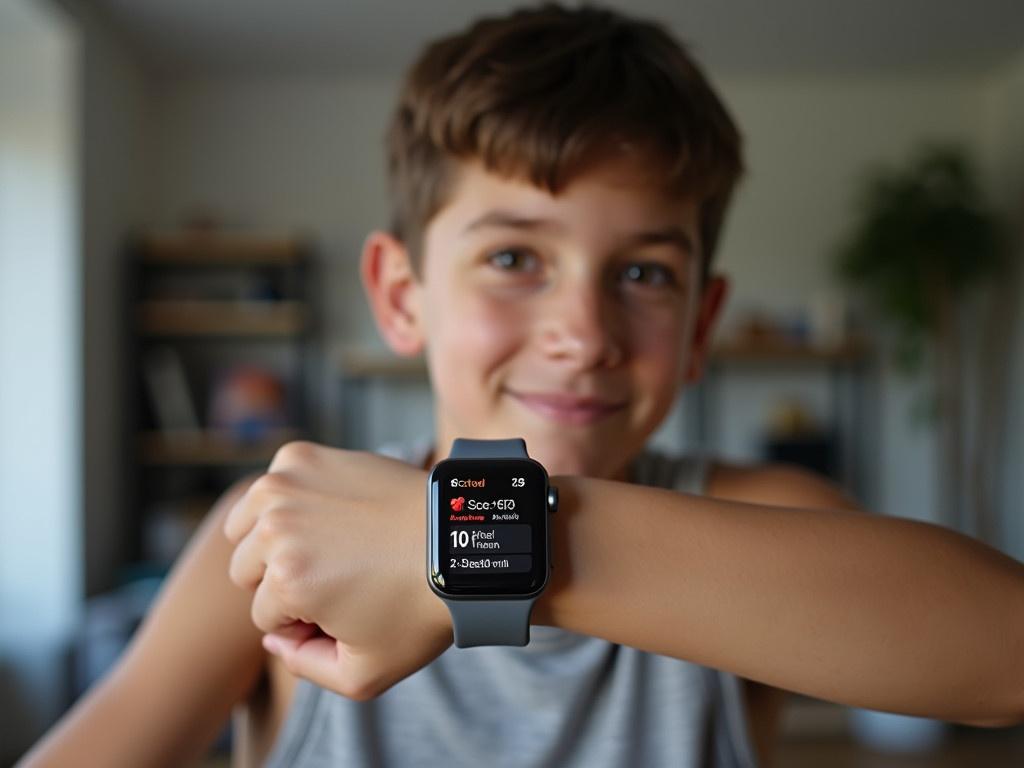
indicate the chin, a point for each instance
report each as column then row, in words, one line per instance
column 569, row 459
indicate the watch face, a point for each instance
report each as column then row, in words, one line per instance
column 488, row 527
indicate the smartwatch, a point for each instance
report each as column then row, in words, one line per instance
column 488, row 548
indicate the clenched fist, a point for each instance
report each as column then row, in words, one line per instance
column 332, row 543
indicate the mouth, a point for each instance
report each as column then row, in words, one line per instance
column 565, row 408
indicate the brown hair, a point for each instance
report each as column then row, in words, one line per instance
column 542, row 92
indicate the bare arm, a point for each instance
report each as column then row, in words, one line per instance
column 869, row 611
column 194, row 657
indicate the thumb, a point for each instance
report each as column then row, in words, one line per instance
column 324, row 661
column 297, row 630
column 308, row 654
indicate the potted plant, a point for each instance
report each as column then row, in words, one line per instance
column 921, row 244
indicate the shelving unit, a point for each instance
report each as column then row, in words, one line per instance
column 210, row 311
column 847, row 367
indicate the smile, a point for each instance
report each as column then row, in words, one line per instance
column 567, row 409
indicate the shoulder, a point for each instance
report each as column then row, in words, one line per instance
column 412, row 451
column 775, row 484
column 778, row 485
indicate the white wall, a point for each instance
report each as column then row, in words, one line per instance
column 40, row 366
column 297, row 154
column 116, row 173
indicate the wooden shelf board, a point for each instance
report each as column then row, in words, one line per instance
column 222, row 318
column 851, row 351
column 220, row 249
column 208, row 448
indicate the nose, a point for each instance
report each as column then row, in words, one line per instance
column 582, row 328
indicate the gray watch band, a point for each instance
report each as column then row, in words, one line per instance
column 491, row 622
column 464, row 448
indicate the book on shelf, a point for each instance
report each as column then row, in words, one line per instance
column 172, row 402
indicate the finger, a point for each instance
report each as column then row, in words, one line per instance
column 315, row 658
column 248, row 563
column 269, row 611
column 243, row 514
column 297, row 456
column 300, row 630
column 330, row 664
column 266, row 492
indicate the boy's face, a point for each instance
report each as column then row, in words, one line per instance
column 568, row 320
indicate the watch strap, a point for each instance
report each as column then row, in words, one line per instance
column 465, row 448
column 490, row 622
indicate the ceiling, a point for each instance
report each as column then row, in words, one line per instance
column 732, row 36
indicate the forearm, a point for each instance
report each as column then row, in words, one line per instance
column 869, row 611
column 116, row 725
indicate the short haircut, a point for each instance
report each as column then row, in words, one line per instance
column 544, row 92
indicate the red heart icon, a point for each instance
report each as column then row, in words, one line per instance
column 457, row 503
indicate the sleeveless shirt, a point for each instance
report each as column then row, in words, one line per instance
column 563, row 701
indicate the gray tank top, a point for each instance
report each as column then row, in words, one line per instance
column 563, row 701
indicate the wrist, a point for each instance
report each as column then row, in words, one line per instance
column 553, row 607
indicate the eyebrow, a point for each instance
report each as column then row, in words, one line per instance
column 670, row 235
column 509, row 220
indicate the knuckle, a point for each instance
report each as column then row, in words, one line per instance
column 235, row 571
column 275, row 521
column 285, row 575
column 294, row 453
column 270, row 485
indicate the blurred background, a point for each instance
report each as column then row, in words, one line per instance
column 184, row 190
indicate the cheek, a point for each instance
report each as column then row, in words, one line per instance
column 658, row 341
column 474, row 333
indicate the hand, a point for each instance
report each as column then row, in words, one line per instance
column 333, row 543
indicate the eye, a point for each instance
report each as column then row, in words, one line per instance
column 513, row 260
column 650, row 273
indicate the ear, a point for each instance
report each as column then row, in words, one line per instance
column 711, row 301
column 393, row 292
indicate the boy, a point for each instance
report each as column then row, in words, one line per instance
column 560, row 179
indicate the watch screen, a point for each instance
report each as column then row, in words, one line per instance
column 488, row 526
